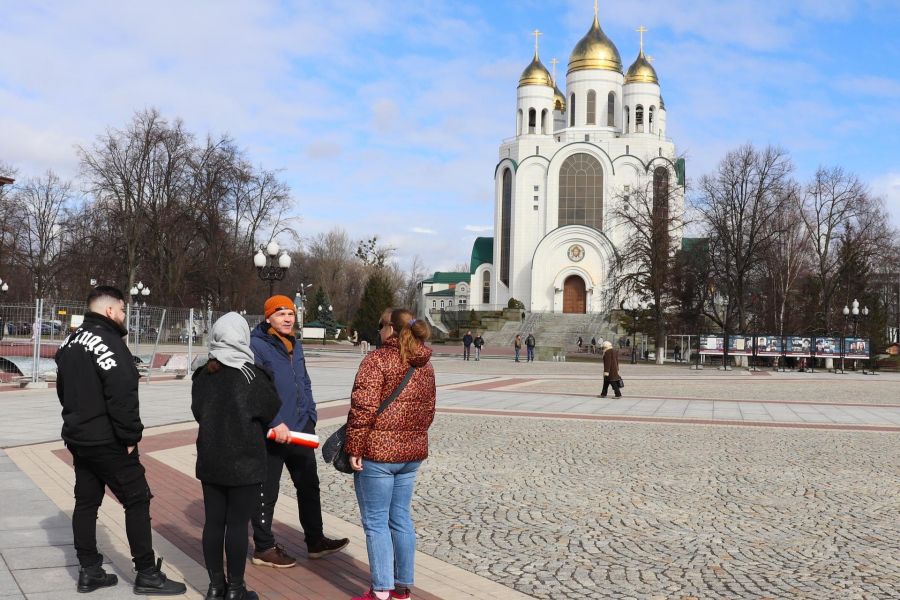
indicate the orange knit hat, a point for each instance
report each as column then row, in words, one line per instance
column 276, row 303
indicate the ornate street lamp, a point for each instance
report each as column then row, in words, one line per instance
column 299, row 300
column 137, row 292
column 853, row 315
column 270, row 266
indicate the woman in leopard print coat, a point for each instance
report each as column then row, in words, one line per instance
column 386, row 450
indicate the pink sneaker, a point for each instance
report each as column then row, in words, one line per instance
column 400, row 593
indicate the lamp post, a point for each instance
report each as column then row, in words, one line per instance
column 635, row 306
column 137, row 292
column 299, row 300
column 325, row 329
column 853, row 314
column 270, row 266
column 4, row 288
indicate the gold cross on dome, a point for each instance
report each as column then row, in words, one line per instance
column 536, row 33
column 554, row 62
column 642, row 30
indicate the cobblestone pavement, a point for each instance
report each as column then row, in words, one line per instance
column 564, row 508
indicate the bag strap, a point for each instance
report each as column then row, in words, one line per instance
column 393, row 396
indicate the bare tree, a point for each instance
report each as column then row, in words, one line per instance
column 643, row 265
column 739, row 204
column 38, row 219
column 787, row 257
column 832, row 204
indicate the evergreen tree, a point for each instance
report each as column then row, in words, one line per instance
column 377, row 296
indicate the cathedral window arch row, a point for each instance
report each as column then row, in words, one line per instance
column 639, row 118
column 505, row 225
column 532, row 120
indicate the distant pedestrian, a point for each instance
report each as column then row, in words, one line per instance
column 467, row 345
column 529, row 347
column 478, row 342
column 579, row 343
column 677, row 353
column 593, row 345
column 233, row 402
column 517, row 346
column 611, row 375
column 387, row 449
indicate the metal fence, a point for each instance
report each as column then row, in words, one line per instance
column 152, row 330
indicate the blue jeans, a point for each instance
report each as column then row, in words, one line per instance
column 384, row 492
column 517, row 353
column 530, row 352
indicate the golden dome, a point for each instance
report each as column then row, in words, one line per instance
column 595, row 51
column 559, row 101
column 641, row 71
column 536, row 74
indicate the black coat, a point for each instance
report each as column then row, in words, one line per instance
column 97, row 385
column 234, row 410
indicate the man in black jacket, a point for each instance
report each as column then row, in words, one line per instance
column 97, row 385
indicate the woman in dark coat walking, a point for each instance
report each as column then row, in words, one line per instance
column 611, row 375
column 233, row 401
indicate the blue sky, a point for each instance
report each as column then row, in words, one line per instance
column 386, row 117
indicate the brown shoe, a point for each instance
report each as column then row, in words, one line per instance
column 274, row 557
column 325, row 546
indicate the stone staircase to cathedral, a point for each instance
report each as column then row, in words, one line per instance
column 553, row 330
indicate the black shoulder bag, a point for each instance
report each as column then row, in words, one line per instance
column 333, row 449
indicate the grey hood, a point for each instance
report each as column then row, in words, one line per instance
column 230, row 341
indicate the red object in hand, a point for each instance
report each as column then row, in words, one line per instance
column 299, row 439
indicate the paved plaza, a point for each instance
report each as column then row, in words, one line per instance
column 695, row 485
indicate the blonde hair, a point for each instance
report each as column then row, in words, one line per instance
column 607, row 345
column 411, row 332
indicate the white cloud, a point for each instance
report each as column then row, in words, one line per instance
column 424, row 230
column 479, row 228
column 888, row 187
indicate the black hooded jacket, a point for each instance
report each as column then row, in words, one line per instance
column 97, row 385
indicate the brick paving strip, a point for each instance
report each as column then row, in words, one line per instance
column 177, row 511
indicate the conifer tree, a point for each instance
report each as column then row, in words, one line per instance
column 377, row 296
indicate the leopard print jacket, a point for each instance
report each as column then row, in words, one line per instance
column 400, row 433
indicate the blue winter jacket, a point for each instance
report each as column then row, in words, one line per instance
column 290, row 377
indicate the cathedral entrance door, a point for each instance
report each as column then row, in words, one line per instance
column 574, row 295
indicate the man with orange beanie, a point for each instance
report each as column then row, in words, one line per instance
column 277, row 350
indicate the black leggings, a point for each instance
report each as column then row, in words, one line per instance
column 228, row 511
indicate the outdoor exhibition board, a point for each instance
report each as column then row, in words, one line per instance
column 769, row 345
column 798, row 346
column 856, row 348
column 828, row 347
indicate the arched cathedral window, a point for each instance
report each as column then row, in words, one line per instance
column 544, row 121
column 581, row 191
column 486, row 287
column 611, row 110
column 519, row 129
column 572, row 110
column 532, row 120
column 505, row 225
column 591, row 107
column 639, row 118
column 650, row 113
column 627, row 120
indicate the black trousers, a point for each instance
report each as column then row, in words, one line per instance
column 98, row 467
column 228, row 510
column 301, row 464
column 614, row 384
column 466, row 352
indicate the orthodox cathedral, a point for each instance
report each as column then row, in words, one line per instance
column 574, row 155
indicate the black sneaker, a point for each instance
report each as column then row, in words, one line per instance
column 94, row 578
column 153, row 582
column 325, row 546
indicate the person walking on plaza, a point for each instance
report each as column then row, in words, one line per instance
column 467, row 345
column 529, row 347
column 478, row 342
column 277, row 350
column 97, row 385
column 611, row 375
column 233, row 402
column 387, row 449
column 593, row 345
column 517, row 346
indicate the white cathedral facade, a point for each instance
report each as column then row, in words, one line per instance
column 574, row 155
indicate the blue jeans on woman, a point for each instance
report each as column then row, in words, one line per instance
column 384, row 492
